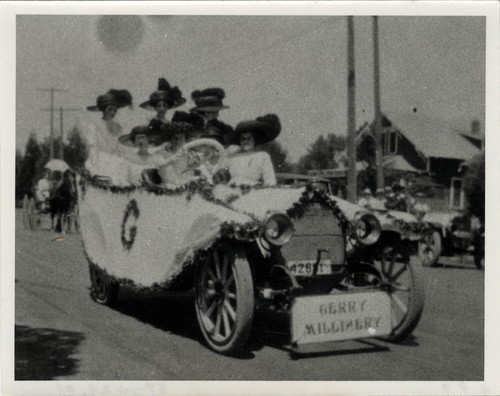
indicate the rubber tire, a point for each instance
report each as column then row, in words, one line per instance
column 103, row 290
column 416, row 298
column 479, row 252
column 438, row 249
column 238, row 341
column 416, row 303
column 33, row 215
column 26, row 213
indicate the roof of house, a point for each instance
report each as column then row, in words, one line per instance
column 397, row 162
column 433, row 138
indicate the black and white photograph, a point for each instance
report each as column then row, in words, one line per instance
column 282, row 198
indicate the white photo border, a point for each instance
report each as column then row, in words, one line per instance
column 8, row 13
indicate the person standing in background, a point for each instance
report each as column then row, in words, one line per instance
column 162, row 100
column 208, row 104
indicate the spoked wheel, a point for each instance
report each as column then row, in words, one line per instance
column 33, row 215
column 103, row 289
column 225, row 300
column 430, row 248
column 401, row 274
column 26, row 212
column 478, row 244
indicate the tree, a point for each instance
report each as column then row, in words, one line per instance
column 474, row 186
column 75, row 152
column 28, row 167
column 278, row 156
column 321, row 153
column 44, row 157
column 19, row 163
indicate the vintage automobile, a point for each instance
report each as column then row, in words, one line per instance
column 457, row 233
column 318, row 268
column 397, row 221
column 429, row 243
column 299, row 180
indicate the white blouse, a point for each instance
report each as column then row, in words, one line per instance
column 105, row 152
column 249, row 168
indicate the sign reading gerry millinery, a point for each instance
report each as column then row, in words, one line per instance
column 340, row 316
column 129, row 229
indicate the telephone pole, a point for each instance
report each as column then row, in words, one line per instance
column 52, row 91
column 53, row 153
column 61, row 110
column 377, row 122
column 351, row 114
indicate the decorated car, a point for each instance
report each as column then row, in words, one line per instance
column 423, row 232
column 254, row 255
column 457, row 233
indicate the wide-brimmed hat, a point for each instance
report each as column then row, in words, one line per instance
column 217, row 130
column 264, row 129
column 182, row 123
column 209, row 99
column 153, row 136
column 170, row 95
column 117, row 97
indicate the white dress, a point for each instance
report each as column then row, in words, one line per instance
column 42, row 190
column 105, row 152
column 137, row 163
column 249, row 168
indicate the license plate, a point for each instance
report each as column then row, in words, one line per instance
column 343, row 316
column 306, row 267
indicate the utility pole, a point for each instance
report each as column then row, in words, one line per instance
column 53, row 153
column 51, row 139
column 61, row 110
column 351, row 114
column 377, row 122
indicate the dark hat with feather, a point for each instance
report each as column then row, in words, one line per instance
column 264, row 129
column 153, row 136
column 182, row 123
column 114, row 97
column 217, row 130
column 172, row 96
column 209, row 99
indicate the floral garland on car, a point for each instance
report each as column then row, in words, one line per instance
column 410, row 227
column 228, row 230
column 245, row 233
column 304, row 203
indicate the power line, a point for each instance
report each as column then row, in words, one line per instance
column 52, row 92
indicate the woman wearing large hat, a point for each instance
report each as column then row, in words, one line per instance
column 208, row 103
column 163, row 99
column 183, row 128
column 141, row 138
column 101, row 135
column 249, row 166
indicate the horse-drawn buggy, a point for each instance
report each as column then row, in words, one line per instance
column 54, row 197
column 293, row 259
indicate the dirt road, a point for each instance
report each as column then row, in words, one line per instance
column 62, row 334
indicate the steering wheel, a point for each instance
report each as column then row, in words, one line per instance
column 205, row 155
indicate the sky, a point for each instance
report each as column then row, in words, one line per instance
column 293, row 66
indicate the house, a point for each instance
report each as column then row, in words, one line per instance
column 418, row 143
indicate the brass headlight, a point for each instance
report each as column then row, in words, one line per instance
column 367, row 229
column 278, row 229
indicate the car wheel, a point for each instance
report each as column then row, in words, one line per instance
column 225, row 300
column 26, row 212
column 430, row 248
column 401, row 274
column 103, row 289
column 479, row 252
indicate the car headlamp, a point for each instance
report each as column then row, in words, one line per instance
column 367, row 229
column 278, row 229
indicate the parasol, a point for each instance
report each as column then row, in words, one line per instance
column 56, row 165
